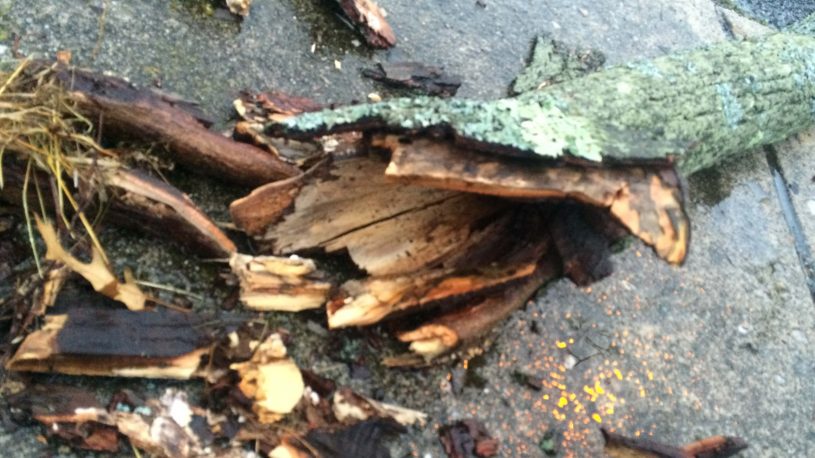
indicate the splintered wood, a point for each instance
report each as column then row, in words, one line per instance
column 435, row 226
column 281, row 284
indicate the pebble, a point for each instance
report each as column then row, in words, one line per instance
column 798, row 336
column 569, row 362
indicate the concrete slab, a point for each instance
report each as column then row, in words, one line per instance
column 720, row 345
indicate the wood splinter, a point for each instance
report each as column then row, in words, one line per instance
column 271, row 283
column 619, row 446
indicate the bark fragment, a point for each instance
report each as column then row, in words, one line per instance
column 692, row 109
column 167, row 426
column 349, row 406
column 468, row 438
column 147, row 115
column 154, row 206
column 370, row 19
column 618, row 446
column 426, row 79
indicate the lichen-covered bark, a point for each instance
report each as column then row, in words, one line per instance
column 695, row 108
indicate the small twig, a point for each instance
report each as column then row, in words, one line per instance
column 101, row 30
column 170, row 289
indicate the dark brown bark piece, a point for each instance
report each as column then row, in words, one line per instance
column 646, row 200
column 100, row 338
column 273, row 105
column 123, row 109
column 427, row 79
column 468, row 438
column 265, row 205
column 619, row 446
column 137, row 201
column 370, row 19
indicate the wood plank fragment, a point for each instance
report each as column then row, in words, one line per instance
column 110, row 341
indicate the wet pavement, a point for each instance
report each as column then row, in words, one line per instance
column 721, row 345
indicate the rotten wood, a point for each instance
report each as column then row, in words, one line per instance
column 124, row 109
column 386, row 229
column 423, row 78
column 370, row 19
column 619, row 446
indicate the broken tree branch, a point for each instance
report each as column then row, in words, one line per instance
column 692, row 108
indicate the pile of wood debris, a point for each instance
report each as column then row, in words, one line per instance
column 452, row 213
